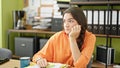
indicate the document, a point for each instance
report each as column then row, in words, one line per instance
column 50, row 65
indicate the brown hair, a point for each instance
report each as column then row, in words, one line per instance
column 79, row 16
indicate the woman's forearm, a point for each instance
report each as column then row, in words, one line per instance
column 74, row 49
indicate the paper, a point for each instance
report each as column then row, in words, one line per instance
column 50, row 65
column 57, row 65
column 34, row 66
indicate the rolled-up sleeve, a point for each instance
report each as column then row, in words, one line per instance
column 86, row 52
column 46, row 52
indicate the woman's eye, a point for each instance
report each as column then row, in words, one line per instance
column 70, row 21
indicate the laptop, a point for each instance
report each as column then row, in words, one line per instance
column 3, row 60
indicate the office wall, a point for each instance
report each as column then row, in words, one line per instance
column 0, row 25
column 7, row 7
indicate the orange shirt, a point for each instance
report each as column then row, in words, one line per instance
column 57, row 49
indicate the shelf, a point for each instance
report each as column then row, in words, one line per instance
column 51, row 32
column 100, row 35
column 114, row 36
column 97, row 64
column 110, row 36
column 31, row 31
column 96, row 3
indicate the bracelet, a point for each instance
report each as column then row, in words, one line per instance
column 38, row 59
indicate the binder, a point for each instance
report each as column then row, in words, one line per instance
column 113, row 22
column 101, row 22
column 97, row 0
column 95, row 21
column 89, row 18
column 85, row 13
column 78, row 0
column 119, row 22
column 107, row 23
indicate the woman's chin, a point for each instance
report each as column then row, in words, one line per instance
column 67, row 32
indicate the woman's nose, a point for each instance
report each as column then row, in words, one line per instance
column 66, row 24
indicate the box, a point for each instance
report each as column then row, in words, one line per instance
column 101, row 55
column 57, row 24
column 25, row 46
column 42, row 42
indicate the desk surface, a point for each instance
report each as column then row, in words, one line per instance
column 16, row 64
column 11, row 64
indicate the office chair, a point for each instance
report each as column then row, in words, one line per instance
column 5, row 53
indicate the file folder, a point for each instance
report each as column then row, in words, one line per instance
column 107, row 22
column 113, row 22
column 119, row 22
column 95, row 21
column 102, row 21
column 89, row 18
column 78, row 0
column 85, row 13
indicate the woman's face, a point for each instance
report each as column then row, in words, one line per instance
column 68, row 22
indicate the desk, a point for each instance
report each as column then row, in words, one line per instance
column 26, row 31
column 16, row 64
column 11, row 64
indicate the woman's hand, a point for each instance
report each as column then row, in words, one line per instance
column 73, row 35
column 75, row 31
column 42, row 62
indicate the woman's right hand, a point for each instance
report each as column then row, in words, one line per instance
column 42, row 62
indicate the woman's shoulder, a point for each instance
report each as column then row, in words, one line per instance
column 89, row 34
column 59, row 34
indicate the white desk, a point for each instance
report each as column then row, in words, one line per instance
column 11, row 64
column 16, row 64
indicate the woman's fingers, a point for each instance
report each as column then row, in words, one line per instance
column 75, row 31
column 42, row 62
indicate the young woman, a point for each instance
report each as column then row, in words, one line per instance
column 73, row 45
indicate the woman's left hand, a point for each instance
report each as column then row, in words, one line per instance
column 75, row 31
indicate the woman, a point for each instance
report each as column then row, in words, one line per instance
column 73, row 46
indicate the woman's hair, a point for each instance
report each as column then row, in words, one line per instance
column 79, row 16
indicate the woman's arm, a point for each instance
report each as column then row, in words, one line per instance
column 73, row 43
column 74, row 49
column 81, row 59
column 87, row 51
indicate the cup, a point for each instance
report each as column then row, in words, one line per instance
column 24, row 62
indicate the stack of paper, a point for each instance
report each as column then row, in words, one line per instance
column 50, row 65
